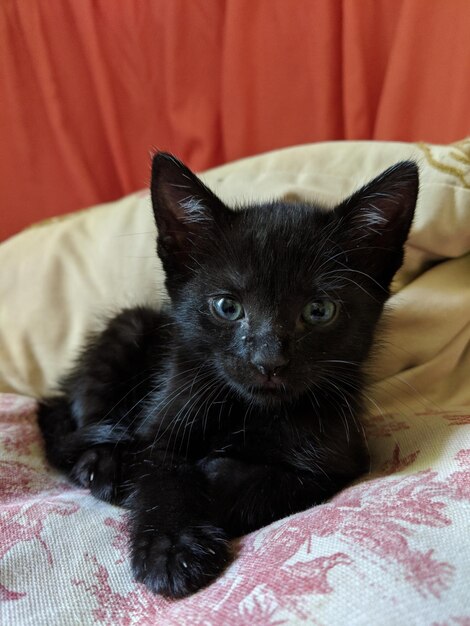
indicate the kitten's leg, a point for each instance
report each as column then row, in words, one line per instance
column 87, row 427
column 86, row 455
column 176, row 549
column 183, row 516
column 249, row 496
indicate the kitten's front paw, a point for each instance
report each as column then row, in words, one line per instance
column 178, row 564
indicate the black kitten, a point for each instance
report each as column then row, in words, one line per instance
column 238, row 404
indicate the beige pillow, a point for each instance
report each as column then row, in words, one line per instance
column 60, row 279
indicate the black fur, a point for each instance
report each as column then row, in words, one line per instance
column 207, row 428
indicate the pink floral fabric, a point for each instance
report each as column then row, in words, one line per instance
column 391, row 549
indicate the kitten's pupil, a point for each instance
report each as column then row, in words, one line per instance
column 228, row 309
column 319, row 311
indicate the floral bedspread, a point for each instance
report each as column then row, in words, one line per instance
column 392, row 549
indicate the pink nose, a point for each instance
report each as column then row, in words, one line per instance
column 270, row 367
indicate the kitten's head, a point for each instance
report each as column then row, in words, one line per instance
column 280, row 299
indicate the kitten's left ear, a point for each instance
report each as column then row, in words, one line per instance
column 185, row 211
column 376, row 220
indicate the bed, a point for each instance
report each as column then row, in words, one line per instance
column 390, row 549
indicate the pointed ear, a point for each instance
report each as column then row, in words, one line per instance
column 185, row 211
column 376, row 221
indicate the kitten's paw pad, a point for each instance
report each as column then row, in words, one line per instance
column 96, row 470
column 180, row 564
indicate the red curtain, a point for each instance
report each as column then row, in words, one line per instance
column 89, row 87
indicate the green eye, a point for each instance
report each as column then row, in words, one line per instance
column 227, row 309
column 319, row 312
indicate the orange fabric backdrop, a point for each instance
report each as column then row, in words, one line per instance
column 89, row 87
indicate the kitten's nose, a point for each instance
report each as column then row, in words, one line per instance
column 270, row 366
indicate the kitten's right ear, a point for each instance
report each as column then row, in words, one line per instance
column 185, row 211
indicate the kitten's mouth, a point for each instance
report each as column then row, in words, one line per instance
column 265, row 393
column 270, row 388
column 260, row 387
column 271, row 384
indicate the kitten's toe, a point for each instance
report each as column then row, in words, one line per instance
column 96, row 470
column 83, row 470
column 180, row 564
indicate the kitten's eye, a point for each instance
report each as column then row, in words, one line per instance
column 319, row 312
column 227, row 309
